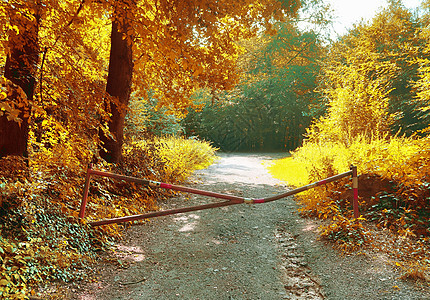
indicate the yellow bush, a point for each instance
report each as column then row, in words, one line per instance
column 348, row 234
column 39, row 204
column 182, row 156
column 400, row 161
column 393, row 158
column 291, row 170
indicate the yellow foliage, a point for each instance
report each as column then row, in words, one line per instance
column 364, row 85
column 401, row 207
column 15, row 260
column 61, row 246
column 393, row 158
column 291, row 170
column 186, row 155
column 357, row 102
column 178, row 46
column 182, row 156
column 348, row 234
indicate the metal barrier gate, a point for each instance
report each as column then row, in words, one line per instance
column 231, row 199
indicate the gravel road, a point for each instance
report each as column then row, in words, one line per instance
column 262, row 251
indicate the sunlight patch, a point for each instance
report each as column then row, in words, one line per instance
column 188, row 227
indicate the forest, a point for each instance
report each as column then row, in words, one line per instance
column 153, row 88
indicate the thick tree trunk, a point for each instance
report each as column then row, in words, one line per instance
column 119, row 88
column 20, row 68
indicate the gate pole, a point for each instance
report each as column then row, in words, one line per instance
column 355, row 191
column 86, row 188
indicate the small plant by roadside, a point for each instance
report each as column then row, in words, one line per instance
column 348, row 234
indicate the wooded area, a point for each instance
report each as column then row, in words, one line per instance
column 135, row 87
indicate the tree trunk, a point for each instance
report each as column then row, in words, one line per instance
column 118, row 87
column 20, row 69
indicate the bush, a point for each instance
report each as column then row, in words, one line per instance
column 348, row 234
column 393, row 193
column 178, row 157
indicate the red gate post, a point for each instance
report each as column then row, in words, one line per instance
column 85, row 195
column 355, row 191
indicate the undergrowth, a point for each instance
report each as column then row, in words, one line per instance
column 180, row 156
column 394, row 195
column 41, row 237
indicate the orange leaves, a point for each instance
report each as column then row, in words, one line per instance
column 347, row 234
column 192, row 44
column 13, row 101
column 178, row 47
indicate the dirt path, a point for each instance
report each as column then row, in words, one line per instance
column 263, row 251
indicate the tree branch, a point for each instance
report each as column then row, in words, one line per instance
column 53, row 45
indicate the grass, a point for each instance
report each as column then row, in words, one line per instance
column 289, row 170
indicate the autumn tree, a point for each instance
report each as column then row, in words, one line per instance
column 422, row 85
column 184, row 45
column 367, row 79
column 66, row 63
column 176, row 48
column 119, row 81
column 19, row 72
column 395, row 35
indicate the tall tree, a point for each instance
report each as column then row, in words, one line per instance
column 177, row 46
column 395, row 35
column 20, row 69
column 422, row 85
column 119, row 81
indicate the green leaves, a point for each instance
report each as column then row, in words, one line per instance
column 270, row 107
